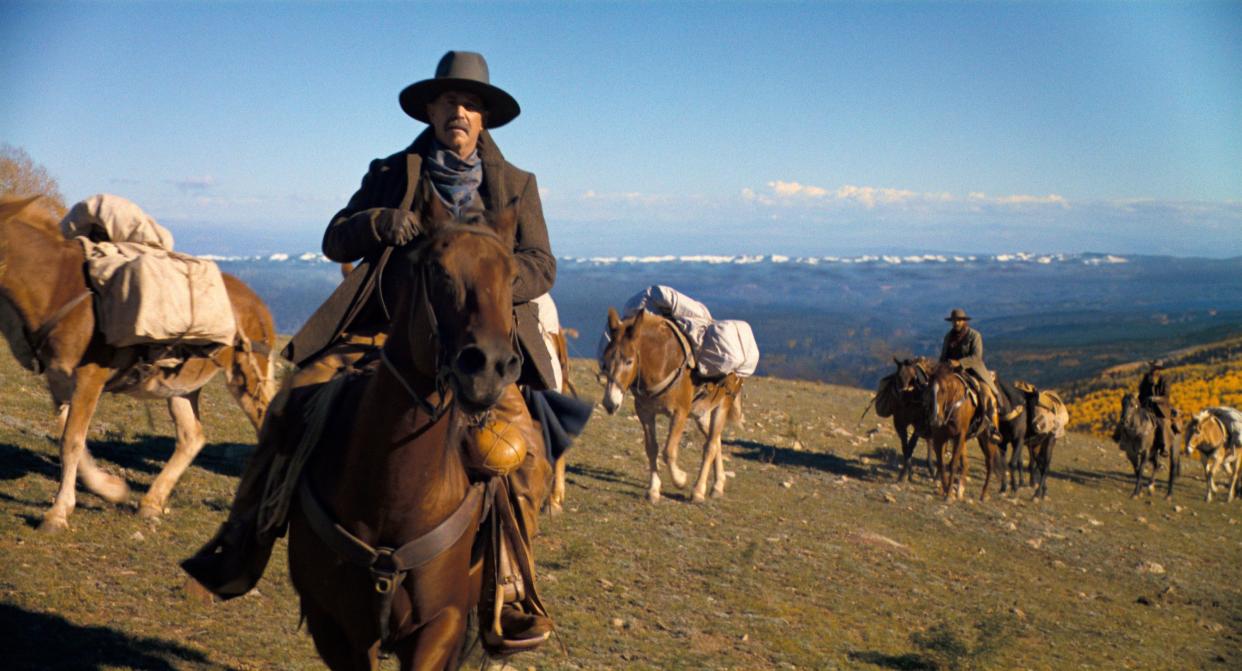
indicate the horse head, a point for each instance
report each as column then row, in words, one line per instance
column 459, row 306
column 910, row 374
column 1203, row 430
column 944, row 394
column 619, row 365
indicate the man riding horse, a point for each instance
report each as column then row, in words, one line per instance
column 456, row 161
column 963, row 348
column 1154, row 397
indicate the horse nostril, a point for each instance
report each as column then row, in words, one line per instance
column 509, row 365
column 471, row 360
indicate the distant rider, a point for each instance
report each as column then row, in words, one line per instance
column 963, row 348
column 1154, row 397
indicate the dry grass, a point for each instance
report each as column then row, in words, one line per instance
column 813, row 559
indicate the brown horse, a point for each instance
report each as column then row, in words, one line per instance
column 951, row 420
column 398, row 478
column 1206, row 434
column 49, row 321
column 648, row 356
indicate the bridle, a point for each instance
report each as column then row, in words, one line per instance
column 661, row 386
column 441, row 367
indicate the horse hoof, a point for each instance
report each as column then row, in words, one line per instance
column 717, row 493
column 653, row 497
column 679, row 476
column 149, row 511
column 53, row 524
column 698, row 498
column 555, row 509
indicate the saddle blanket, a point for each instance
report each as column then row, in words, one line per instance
column 146, row 293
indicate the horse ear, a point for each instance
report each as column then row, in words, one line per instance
column 896, row 361
column 505, row 223
column 11, row 207
column 614, row 320
column 435, row 213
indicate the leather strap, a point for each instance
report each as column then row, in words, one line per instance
column 38, row 338
column 388, row 567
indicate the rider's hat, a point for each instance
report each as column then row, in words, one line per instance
column 956, row 314
column 461, row 71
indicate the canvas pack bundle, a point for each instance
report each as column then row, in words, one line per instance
column 147, row 293
column 728, row 347
column 885, row 396
column 1050, row 415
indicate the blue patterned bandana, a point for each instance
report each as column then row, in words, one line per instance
column 456, row 179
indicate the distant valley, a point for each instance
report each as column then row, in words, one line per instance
column 1050, row 319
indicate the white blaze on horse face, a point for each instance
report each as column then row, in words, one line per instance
column 613, row 395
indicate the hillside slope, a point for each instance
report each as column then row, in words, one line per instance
column 1199, row 377
column 813, row 559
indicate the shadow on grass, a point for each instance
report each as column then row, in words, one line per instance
column 148, row 454
column 783, row 456
column 908, row 662
column 51, row 643
column 17, row 461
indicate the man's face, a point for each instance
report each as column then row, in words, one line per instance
column 959, row 324
column 457, row 118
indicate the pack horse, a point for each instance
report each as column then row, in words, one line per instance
column 50, row 321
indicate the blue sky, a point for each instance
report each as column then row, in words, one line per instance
column 793, row 128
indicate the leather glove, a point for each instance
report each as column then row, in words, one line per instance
column 395, row 227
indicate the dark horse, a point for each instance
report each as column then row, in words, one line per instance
column 901, row 396
column 951, row 420
column 399, row 477
column 1136, row 435
column 1013, row 434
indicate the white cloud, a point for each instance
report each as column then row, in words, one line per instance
column 784, row 193
column 187, row 184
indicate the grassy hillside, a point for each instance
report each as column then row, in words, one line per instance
column 814, row 559
column 1199, row 377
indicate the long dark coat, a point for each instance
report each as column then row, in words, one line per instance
column 968, row 350
column 397, row 182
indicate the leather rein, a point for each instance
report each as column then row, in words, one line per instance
column 389, row 566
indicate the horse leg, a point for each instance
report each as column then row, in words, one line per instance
column 1209, row 470
column 647, row 419
column 1175, row 466
column 436, row 645
column 556, row 502
column 940, row 467
column 992, row 461
column 709, row 458
column 931, row 472
column 333, row 644
column 88, row 386
column 676, row 427
column 720, row 419
column 1233, row 481
column 907, row 449
column 190, row 440
column 961, row 462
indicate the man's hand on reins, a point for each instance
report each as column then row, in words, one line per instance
column 396, row 227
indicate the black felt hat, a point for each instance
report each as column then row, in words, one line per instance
column 461, row 71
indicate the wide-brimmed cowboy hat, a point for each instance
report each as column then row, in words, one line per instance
column 1156, row 364
column 461, row 71
column 956, row 314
